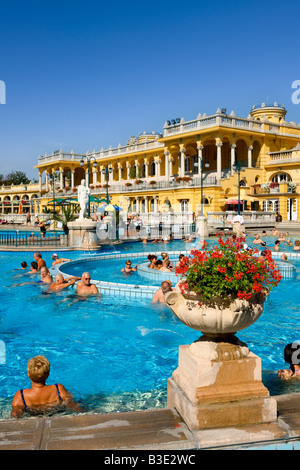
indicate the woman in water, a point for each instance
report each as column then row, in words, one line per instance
column 40, row 397
column 128, row 269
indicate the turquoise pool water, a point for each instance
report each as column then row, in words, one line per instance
column 116, row 353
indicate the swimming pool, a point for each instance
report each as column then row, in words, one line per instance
column 116, row 353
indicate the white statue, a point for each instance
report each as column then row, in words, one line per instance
column 83, row 199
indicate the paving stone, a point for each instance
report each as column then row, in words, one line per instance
column 161, row 429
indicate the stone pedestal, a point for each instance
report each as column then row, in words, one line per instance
column 218, row 385
column 202, row 230
column 82, row 234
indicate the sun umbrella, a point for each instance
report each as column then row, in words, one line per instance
column 110, row 208
column 233, row 201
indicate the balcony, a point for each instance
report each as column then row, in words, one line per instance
column 273, row 189
column 150, row 184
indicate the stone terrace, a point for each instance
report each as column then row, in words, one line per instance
column 161, row 429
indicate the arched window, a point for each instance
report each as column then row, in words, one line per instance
column 187, row 164
column 281, row 178
column 184, row 205
column 152, row 169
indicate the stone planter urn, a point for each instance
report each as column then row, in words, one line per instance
column 218, row 321
column 218, row 380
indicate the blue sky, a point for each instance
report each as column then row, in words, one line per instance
column 86, row 75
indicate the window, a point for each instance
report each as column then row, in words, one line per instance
column 152, row 169
column 281, row 178
column 271, row 205
column 187, row 164
column 184, row 205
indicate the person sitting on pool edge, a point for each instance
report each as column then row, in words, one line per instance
column 152, row 259
column 292, row 357
column 165, row 257
column 164, row 267
column 85, row 287
column 158, row 264
column 41, row 397
column 128, row 269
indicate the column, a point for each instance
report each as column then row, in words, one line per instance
column 137, row 166
column 61, row 180
column 250, row 148
column 182, row 154
column 146, row 168
column 102, row 175
column 171, row 160
column 94, row 176
column 155, row 204
column 137, row 205
column 128, row 169
column 157, row 170
column 72, row 178
column 40, row 182
column 47, row 181
column 146, row 204
column 219, row 161
column 232, row 159
column 200, row 148
column 120, row 171
column 167, row 169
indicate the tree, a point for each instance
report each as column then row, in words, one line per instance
column 66, row 215
column 16, row 177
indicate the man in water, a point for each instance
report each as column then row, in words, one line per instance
column 45, row 275
column 257, row 240
column 60, row 283
column 38, row 258
column 159, row 296
column 57, row 260
column 85, row 287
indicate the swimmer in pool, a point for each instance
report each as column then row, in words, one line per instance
column 128, row 269
column 60, row 283
column 40, row 396
column 159, row 296
column 45, row 275
column 257, row 240
column 85, row 287
column 292, row 357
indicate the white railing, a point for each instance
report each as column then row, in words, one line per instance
column 224, row 219
column 215, row 120
column 102, row 154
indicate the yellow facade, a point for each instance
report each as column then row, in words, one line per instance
column 155, row 172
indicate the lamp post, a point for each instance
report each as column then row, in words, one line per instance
column 237, row 166
column 106, row 170
column 88, row 161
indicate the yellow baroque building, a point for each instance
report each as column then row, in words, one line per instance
column 254, row 160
